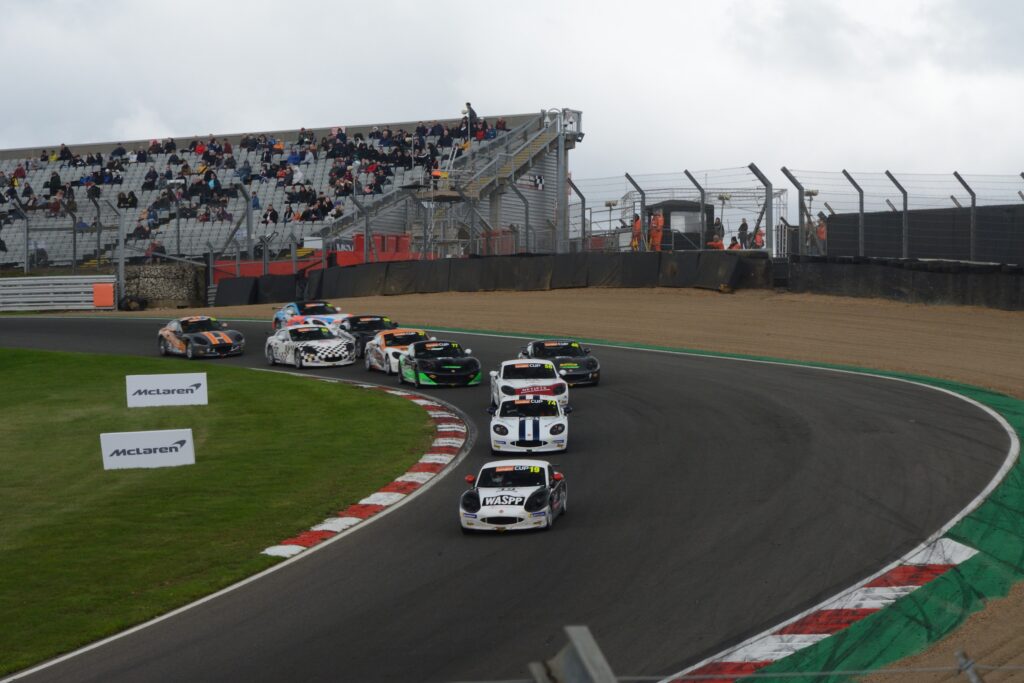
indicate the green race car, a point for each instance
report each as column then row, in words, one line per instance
column 438, row 363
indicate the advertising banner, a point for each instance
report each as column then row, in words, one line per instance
column 181, row 389
column 162, row 448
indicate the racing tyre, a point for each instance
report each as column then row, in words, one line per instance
column 298, row 361
column 366, row 362
column 189, row 353
column 162, row 345
column 270, row 357
column 387, row 366
column 416, row 379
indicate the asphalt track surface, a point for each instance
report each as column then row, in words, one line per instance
column 708, row 500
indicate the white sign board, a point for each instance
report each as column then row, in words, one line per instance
column 163, row 448
column 182, row 389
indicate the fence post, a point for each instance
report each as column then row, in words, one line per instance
column 906, row 218
column 210, row 265
column 24, row 214
column 579, row 661
column 583, row 215
column 974, row 208
column 292, row 244
column 177, row 224
column 769, row 208
column 122, row 230
column 248, row 218
column 643, row 213
column 966, row 667
column 526, row 213
column 99, row 230
column 703, row 209
column 860, row 212
column 801, row 211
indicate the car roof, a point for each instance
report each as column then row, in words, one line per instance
column 516, row 461
column 306, row 326
column 434, row 341
column 527, row 361
column 403, row 330
column 195, row 318
column 528, row 399
column 553, row 341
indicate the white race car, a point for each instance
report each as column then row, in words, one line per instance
column 511, row 495
column 529, row 425
column 528, row 378
column 310, row 346
column 383, row 351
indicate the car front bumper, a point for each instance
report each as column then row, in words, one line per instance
column 553, row 444
column 492, row 519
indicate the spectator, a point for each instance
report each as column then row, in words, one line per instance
column 118, row 151
column 154, row 250
column 204, row 215
column 637, row 237
column 244, row 172
column 122, row 200
column 821, row 237
column 140, row 232
column 131, row 201
column 27, row 190
column 718, row 228
column 734, row 244
column 19, row 172
column 716, row 242
column 270, row 215
column 149, row 183
column 471, row 117
column 744, row 234
column 500, row 124
column 657, row 228
column 255, row 202
column 758, row 238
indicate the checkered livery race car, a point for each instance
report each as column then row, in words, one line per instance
column 527, row 378
column 199, row 336
column 529, row 425
column 574, row 363
column 383, row 351
column 438, row 363
column 510, row 495
column 310, row 346
column 316, row 312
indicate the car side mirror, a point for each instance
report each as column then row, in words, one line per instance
column 558, row 476
column 223, row 326
column 433, row 339
column 567, row 410
column 493, row 374
column 491, row 410
column 586, row 350
column 470, row 479
column 467, row 351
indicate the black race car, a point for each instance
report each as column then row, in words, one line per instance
column 199, row 336
column 574, row 363
column 438, row 363
column 364, row 327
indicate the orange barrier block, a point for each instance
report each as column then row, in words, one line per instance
column 103, row 295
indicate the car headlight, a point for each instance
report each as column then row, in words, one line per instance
column 396, row 354
column 558, row 390
column 563, row 372
column 592, row 364
column 508, row 391
column 500, row 430
column 470, row 501
column 558, row 429
column 538, row 500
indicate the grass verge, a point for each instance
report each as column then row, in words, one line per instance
column 85, row 553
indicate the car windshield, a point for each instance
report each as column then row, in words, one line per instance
column 529, row 409
column 441, row 349
column 552, row 349
column 528, row 371
column 504, row 476
column 316, row 308
column 199, row 325
column 310, row 334
column 368, row 323
column 403, row 338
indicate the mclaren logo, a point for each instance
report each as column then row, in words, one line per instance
column 173, row 448
column 190, row 389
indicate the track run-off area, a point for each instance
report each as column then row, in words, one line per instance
column 711, row 499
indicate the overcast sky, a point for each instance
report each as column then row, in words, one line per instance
column 927, row 86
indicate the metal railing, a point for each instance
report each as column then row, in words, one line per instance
column 50, row 293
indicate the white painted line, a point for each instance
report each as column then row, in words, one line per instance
column 337, row 524
column 448, row 442
column 283, row 550
column 772, row 647
column 875, row 597
column 416, row 477
column 437, row 458
column 396, row 392
column 384, row 498
column 442, row 415
column 425, row 403
column 451, row 428
column 943, row 551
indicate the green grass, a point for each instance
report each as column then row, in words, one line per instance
column 85, row 552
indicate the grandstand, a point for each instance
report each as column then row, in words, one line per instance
column 445, row 192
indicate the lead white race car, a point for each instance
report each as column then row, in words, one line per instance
column 529, row 425
column 519, row 378
column 512, row 495
column 310, row 346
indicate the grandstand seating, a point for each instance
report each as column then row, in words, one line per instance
column 53, row 233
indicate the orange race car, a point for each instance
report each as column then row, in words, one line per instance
column 199, row 336
column 382, row 352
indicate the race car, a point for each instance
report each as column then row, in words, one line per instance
column 529, row 425
column 310, row 346
column 364, row 327
column 527, row 378
column 574, row 363
column 307, row 312
column 510, row 495
column 199, row 336
column 383, row 351
column 438, row 363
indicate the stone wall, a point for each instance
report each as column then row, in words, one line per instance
column 171, row 285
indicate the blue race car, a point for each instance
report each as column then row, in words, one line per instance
column 311, row 312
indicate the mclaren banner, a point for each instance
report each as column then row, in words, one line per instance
column 163, row 448
column 182, row 389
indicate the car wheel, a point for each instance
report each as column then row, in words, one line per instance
column 366, row 361
column 565, row 502
column 270, row 357
column 189, row 353
column 387, row 366
column 416, row 379
column 298, row 360
column 549, row 521
column 401, row 377
column 162, row 344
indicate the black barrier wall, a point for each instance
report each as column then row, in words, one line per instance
column 508, row 273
